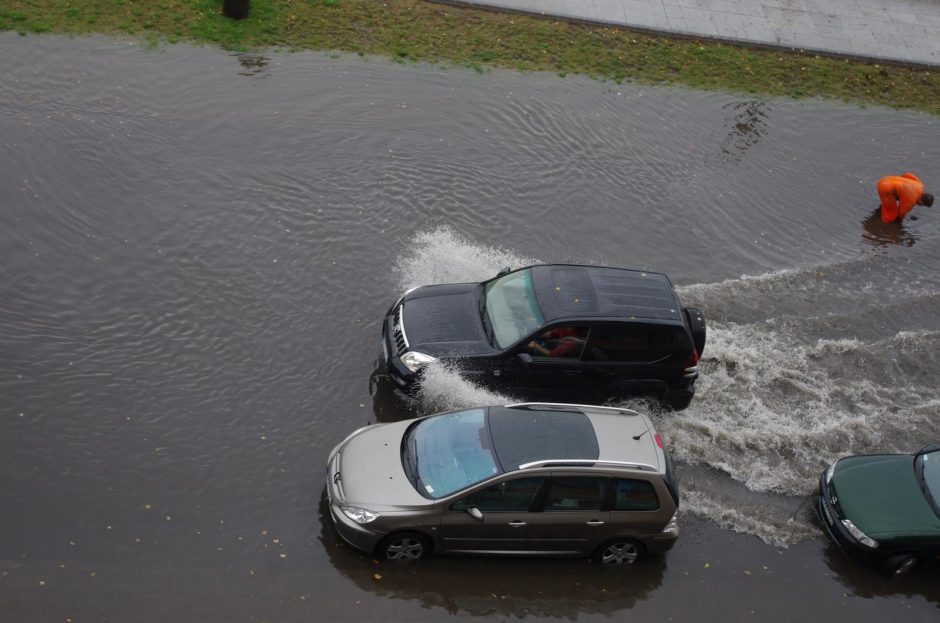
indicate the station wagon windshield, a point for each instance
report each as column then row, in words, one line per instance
column 511, row 308
column 445, row 453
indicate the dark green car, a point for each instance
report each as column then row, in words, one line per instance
column 884, row 508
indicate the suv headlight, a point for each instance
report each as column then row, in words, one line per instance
column 860, row 536
column 359, row 515
column 414, row 360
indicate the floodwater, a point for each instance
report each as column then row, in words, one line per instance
column 197, row 249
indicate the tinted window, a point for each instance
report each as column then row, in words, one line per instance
column 560, row 343
column 575, row 493
column 630, row 342
column 507, row 496
column 634, row 495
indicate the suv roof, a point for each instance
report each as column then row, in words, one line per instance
column 566, row 290
column 563, row 435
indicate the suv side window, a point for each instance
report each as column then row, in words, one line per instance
column 575, row 493
column 634, row 495
column 559, row 343
column 510, row 496
column 630, row 343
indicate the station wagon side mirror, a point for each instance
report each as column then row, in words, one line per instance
column 525, row 359
column 504, row 271
column 474, row 512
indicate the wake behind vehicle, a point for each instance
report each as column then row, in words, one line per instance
column 523, row 479
column 884, row 508
column 561, row 332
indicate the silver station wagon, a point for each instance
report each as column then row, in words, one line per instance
column 522, row 479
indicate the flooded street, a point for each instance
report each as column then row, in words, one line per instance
column 197, row 249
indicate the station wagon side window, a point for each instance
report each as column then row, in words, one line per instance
column 634, row 495
column 630, row 343
column 575, row 493
column 565, row 342
column 511, row 496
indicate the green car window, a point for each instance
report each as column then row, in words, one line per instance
column 930, row 473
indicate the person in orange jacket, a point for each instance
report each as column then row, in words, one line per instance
column 898, row 195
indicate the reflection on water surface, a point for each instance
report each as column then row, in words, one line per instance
column 195, row 265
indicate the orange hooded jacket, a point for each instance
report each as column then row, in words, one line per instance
column 898, row 195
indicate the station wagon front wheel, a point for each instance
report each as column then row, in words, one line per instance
column 404, row 547
column 620, row 552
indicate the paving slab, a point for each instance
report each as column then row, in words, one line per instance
column 898, row 31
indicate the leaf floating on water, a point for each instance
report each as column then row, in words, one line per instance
column 707, row 565
column 283, row 556
column 377, row 576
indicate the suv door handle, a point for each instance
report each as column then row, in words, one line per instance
column 595, row 522
column 516, row 524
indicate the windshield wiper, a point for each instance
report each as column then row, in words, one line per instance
column 414, row 454
column 487, row 329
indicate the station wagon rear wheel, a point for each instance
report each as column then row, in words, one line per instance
column 404, row 546
column 620, row 552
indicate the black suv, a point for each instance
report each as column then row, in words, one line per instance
column 555, row 332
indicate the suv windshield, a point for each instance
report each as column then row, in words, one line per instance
column 511, row 307
column 928, row 472
column 448, row 452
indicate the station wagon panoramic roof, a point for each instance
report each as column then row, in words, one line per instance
column 585, row 291
column 523, row 436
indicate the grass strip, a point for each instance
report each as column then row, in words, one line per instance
column 417, row 30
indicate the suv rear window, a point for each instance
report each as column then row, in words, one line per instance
column 630, row 342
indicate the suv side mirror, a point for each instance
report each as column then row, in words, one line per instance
column 525, row 359
column 474, row 512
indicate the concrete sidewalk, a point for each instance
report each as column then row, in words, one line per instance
column 905, row 31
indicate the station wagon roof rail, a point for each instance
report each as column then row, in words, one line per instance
column 567, row 407
column 592, row 462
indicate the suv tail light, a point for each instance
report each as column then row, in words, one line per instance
column 690, row 366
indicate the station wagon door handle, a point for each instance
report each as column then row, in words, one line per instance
column 595, row 522
column 516, row 524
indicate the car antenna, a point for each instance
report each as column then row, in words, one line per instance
column 637, row 437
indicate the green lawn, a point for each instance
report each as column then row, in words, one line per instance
column 416, row 30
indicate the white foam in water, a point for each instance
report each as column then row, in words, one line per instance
column 771, row 411
column 772, row 528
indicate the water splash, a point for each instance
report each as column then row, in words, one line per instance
column 779, row 397
column 444, row 256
